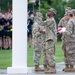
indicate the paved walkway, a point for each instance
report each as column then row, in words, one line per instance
column 59, row 67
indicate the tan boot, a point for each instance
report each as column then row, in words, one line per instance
column 37, row 68
column 51, row 70
column 71, row 69
column 66, row 69
column 45, row 68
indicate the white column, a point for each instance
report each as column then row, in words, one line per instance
column 19, row 51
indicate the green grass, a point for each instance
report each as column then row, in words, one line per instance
column 6, row 56
column 58, row 55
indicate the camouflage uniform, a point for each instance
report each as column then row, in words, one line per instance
column 70, row 42
column 36, row 41
column 63, row 23
column 50, row 40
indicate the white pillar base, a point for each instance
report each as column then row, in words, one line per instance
column 13, row 70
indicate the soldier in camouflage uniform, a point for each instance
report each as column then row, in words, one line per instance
column 43, row 36
column 73, row 10
column 63, row 23
column 50, row 40
column 70, row 43
column 37, row 42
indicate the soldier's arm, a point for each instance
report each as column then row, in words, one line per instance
column 43, row 23
column 36, row 31
column 55, row 30
column 47, row 22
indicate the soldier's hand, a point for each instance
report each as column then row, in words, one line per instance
column 47, row 18
column 59, row 30
column 43, row 32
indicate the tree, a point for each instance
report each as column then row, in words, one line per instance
column 4, row 4
column 59, row 5
column 71, row 4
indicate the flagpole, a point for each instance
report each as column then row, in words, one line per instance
column 8, row 3
column 33, row 1
column 8, row 7
column 33, row 6
column 0, row 9
column 39, row 5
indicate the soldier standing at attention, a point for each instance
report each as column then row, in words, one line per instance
column 50, row 40
column 37, row 42
column 70, row 43
column 63, row 23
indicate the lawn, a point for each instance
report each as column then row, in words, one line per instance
column 6, row 56
column 58, row 55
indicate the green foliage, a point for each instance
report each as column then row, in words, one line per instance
column 71, row 3
column 4, row 4
column 59, row 5
column 44, row 7
column 30, row 3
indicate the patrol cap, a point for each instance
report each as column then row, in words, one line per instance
column 73, row 10
column 68, row 8
column 39, row 14
column 69, row 13
column 52, row 10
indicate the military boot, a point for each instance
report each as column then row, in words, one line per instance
column 66, row 69
column 71, row 69
column 37, row 68
column 45, row 68
column 51, row 70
